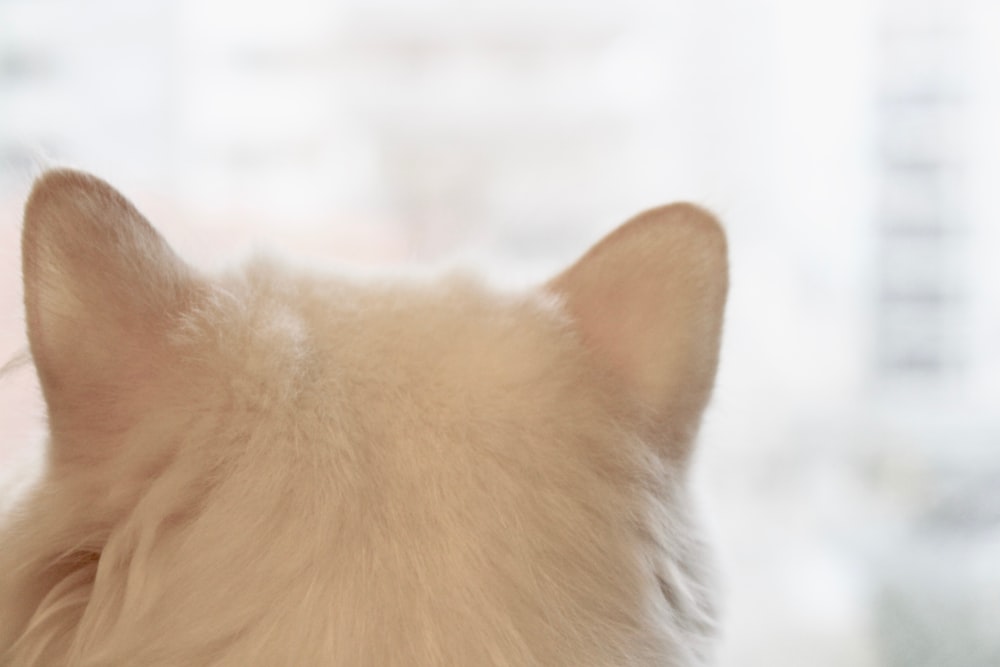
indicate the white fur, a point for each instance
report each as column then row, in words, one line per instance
column 275, row 468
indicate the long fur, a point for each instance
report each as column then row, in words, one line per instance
column 327, row 472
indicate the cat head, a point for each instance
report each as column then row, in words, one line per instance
column 272, row 466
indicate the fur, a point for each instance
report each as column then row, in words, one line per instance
column 274, row 467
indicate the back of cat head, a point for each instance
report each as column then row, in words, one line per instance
column 275, row 467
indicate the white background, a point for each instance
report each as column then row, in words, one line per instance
column 850, row 462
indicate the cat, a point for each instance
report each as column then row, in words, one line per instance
column 274, row 467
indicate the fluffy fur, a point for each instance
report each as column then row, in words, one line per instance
column 272, row 467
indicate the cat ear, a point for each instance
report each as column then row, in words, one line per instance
column 648, row 302
column 99, row 286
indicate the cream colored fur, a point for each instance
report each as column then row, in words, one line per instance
column 275, row 468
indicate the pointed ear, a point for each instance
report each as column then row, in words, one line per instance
column 648, row 302
column 100, row 285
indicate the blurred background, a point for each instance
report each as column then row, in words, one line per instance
column 850, row 462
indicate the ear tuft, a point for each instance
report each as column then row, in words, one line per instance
column 648, row 302
column 76, row 222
